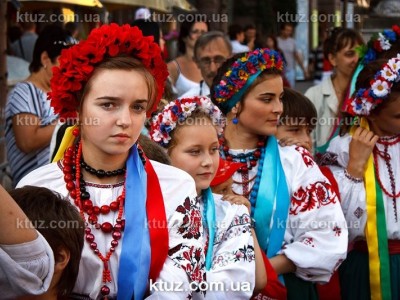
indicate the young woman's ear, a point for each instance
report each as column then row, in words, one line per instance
column 332, row 59
column 45, row 60
column 61, row 259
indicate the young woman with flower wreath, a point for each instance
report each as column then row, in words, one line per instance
column 299, row 222
column 141, row 226
column 188, row 129
column 369, row 185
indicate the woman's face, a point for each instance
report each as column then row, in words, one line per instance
column 387, row 121
column 196, row 152
column 198, row 29
column 345, row 60
column 259, row 114
column 270, row 43
column 113, row 112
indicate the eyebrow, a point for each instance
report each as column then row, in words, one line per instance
column 270, row 94
column 119, row 99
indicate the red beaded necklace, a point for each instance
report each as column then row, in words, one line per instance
column 76, row 187
column 386, row 142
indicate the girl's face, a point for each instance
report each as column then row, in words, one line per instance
column 262, row 107
column 196, row 152
column 345, row 60
column 270, row 43
column 113, row 112
column 387, row 121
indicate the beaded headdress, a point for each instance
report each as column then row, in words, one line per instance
column 241, row 75
column 364, row 100
column 177, row 112
column 378, row 43
column 78, row 63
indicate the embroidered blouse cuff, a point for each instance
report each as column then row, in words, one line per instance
column 352, row 178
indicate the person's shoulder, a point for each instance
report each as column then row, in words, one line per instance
column 194, row 91
column 44, row 176
column 170, row 173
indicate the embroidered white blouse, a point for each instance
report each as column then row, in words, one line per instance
column 316, row 234
column 232, row 274
column 178, row 189
column 353, row 193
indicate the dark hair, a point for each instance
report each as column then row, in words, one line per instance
column 70, row 27
column 224, row 68
column 153, row 150
column 249, row 26
column 206, row 38
column 234, row 30
column 124, row 62
column 148, row 28
column 52, row 39
column 364, row 81
column 283, row 25
column 339, row 38
column 297, row 108
column 184, row 31
column 273, row 38
column 60, row 224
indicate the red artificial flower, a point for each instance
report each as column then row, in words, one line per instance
column 396, row 29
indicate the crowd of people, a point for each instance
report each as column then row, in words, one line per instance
column 207, row 177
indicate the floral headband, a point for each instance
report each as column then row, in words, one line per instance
column 365, row 100
column 78, row 63
column 241, row 75
column 178, row 111
column 378, row 43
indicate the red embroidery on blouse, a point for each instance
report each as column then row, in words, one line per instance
column 307, row 157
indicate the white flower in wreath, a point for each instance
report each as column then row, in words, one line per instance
column 388, row 74
column 364, row 109
column 380, row 88
column 168, row 120
column 394, row 64
column 207, row 105
column 385, row 44
column 187, row 109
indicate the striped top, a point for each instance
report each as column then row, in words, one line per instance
column 26, row 98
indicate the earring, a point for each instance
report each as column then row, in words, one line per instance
column 235, row 120
column 45, row 66
column 75, row 132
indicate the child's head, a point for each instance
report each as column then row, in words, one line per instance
column 377, row 96
column 188, row 129
column 61, row 225
column 222, row 182
column 298, row 119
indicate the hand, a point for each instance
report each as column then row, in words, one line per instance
column 289, row 141
column 361, row 147
column 237, row 199
column 306, row 74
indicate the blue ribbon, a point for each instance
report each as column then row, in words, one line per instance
column 209, row 214
column 357, row 71
column 272, row 201
column 229, row 104
column 134, row 264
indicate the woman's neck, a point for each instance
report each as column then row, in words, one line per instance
column 236, row 138
column 340, row 84
column 189, row 54
column 101, row 161
column 39, row 80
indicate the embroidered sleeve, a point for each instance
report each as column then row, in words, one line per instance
column 233, row 266
column 316, row 233
column 184, row 271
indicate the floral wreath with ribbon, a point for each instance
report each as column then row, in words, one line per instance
column 378, row 43
column 242, row 73
column 365, row 100
column 78, row 63
column 178, row 111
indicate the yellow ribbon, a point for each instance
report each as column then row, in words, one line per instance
column 67, row 141
column 371, row 233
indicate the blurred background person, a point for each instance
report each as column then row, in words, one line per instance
column 251, row 38
column 29, row 117
column 72, row 30
column 183, row 71
column 236, row 35
column 23, row 47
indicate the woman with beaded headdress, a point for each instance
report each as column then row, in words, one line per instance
column 188, row 129
column 299, row 222
column 142, row 229
column 367, row 155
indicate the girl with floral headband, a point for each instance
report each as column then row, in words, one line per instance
column 133, row 240
column 188, row 129
column 300, row 225
column 369, row 185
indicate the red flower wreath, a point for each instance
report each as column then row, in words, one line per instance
column 78, row 62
